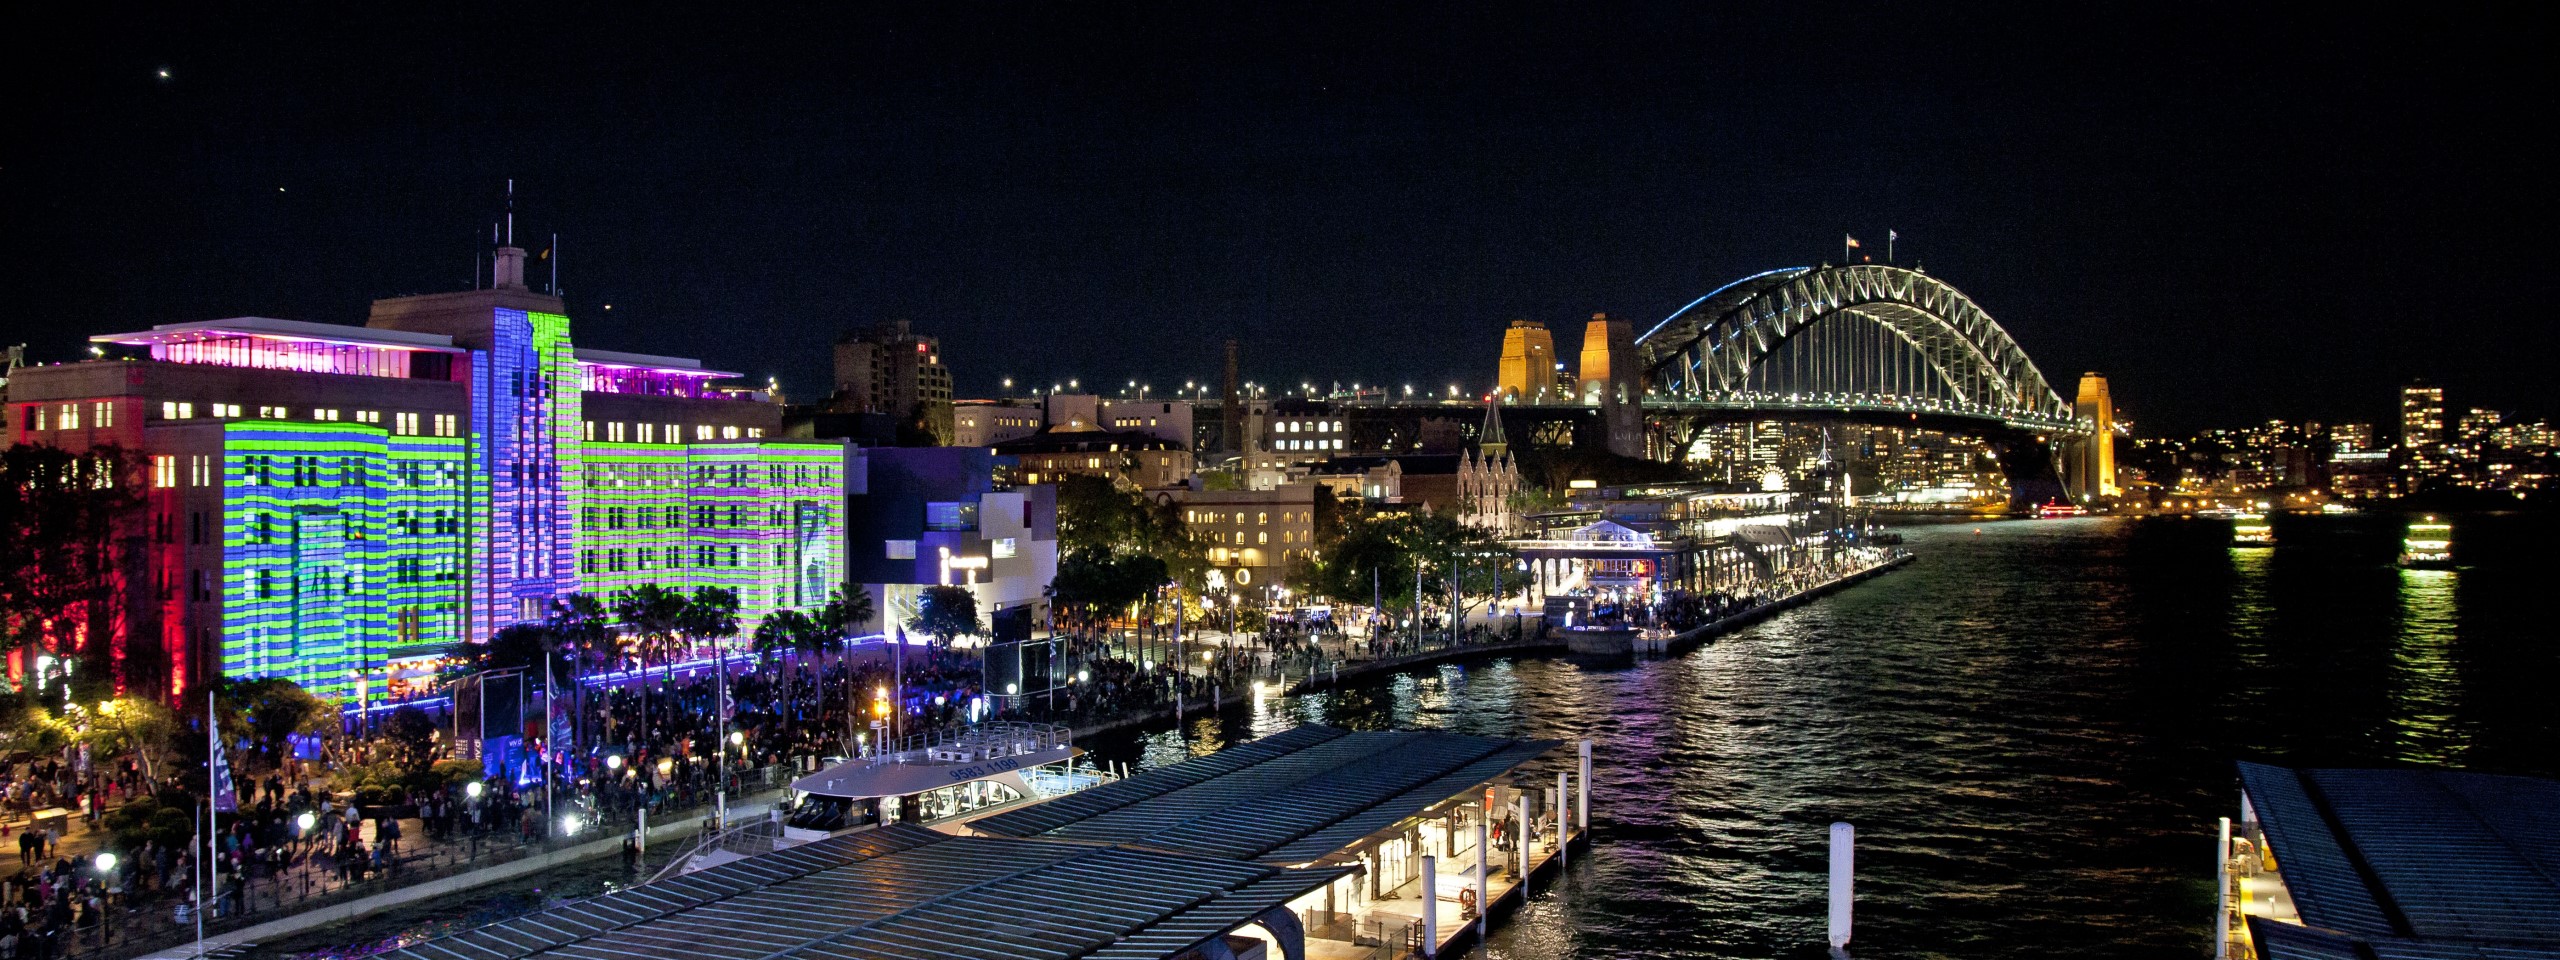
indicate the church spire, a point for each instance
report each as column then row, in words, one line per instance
column 1489, row 441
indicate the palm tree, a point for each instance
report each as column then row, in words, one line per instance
column 579, row 626
column 847, row 609
column 783, row 632
column 649, row 613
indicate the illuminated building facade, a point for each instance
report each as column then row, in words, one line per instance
column 325, row 502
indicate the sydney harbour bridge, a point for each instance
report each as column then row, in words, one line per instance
column 1861, row 343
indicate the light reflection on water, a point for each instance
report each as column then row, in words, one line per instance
column 2427, row 693
column 2033, row 728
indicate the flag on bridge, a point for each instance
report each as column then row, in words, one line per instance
column 1853, row 242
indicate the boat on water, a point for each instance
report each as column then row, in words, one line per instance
column 2051, row 509
column 943, row 776
column 2252, row 530
column 2428, row 545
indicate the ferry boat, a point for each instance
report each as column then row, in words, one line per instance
column 936, row 777
column 2051, row 509
column 2429, row 545
column 2251, row 530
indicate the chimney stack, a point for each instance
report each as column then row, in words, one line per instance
column 510, row 271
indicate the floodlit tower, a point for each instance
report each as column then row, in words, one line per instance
column 2095, row 468
column 1528, row 356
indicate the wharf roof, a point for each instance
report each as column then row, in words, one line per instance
column 901, row 892
column 1292, row 797
column 2411, row 864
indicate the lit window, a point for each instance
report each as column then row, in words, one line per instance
column 614, row 431
column 368, row 416
column 106, row 414
column 755, row 431
column 271, row 413
column 902, row 549
column 164, row 471
column 728, row 433
column 702, row 431
column 445, row 425
column 1003, row 547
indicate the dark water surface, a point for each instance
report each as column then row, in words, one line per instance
column 2032, row 727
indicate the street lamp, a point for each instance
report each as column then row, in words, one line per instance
column 475, row 789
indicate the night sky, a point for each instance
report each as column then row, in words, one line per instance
column 2235, row 218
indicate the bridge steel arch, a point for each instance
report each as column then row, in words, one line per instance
column 1705, row 352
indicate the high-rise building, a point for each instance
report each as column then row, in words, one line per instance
column 339, row 505
column 2351, row 437
column 2094, row 469
column 891, row 369
column 2421, row 416
column 1528, row 371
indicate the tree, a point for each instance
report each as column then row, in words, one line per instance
column 1383, row 555
column 411, row 735
column 142, row 725
column 847, row 609
column 274, row 709
column 650, row 613
column 709, row 616
column 945, row 612
column 71, row 545
column 784, row 632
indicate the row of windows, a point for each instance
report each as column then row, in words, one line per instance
column 1258, row 536
column 67, row 416
column 616, row 431
column 1259, row 516
column 709, row 475
column 1307, row 426
column 669, row 557
column 1334, row 443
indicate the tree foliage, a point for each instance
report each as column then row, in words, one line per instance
column 273, row 709
column 945, row 611
column 72, row 536
column 1384, row 552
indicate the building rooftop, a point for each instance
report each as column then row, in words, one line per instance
column 2414, row 864
column 1084, row 441
column 679, row 366
column 270, row 328
column 1289, row 798
column 903, row 892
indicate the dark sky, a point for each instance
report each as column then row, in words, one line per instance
column 2238, row 214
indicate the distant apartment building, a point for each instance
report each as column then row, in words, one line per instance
column 890, row 369
column 2351, row 437
column 2421, row 416
column 339, row 505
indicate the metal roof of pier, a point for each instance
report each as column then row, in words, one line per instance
column 2411, row 864
column 1291, row 797
column 904, row 892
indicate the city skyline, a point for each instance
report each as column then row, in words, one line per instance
column 1130, row 190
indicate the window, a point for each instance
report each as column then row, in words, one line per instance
column 105, row 411
column 902, row 549
column 271, row 413
column 200, row 470
column 69, row 418
column 613, row 432
column 590, row 434
column 702, row 431
column 40, row 415
column 324, row 413
column 1263, row 537
column 164, row 471
column 1003, row 548
column 404, row 424
column 648, row 432
column 226, row 410
column 368, row 416
column 728, row 433
column 445, row 426
column 755, row 431
column 1262, row 518
column 951, row 516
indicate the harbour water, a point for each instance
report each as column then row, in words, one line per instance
column 2032, row 727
